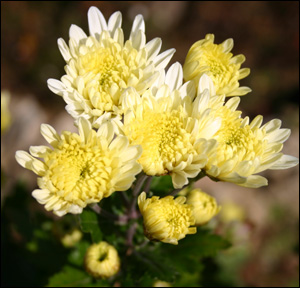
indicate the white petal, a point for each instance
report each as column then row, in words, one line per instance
column 50, row 134
column 286, row 161
column 174, row 76
column 97, row 22
column 31, row 163
column 138, row 24
column 188, row 89
column 205, row 82
column 162, row 60
column 41, row 195
column 138, row 40
column 39, row 151
column 64, row 49
column 74, row 209
column 241, row 91
column 56, row 86
column 227, row 45
column 280, row 135
column 76, row 33
column 84, row 128
column 254, row 181
column 114, row 22
column 256, row 122
column 179, row 179
column 233, row 103
column 153, row 47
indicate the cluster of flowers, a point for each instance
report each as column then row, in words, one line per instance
column 134, row 116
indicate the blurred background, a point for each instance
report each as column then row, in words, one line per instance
column 262, row 223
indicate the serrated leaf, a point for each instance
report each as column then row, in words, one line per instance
column 70, row 277
column 89, row 224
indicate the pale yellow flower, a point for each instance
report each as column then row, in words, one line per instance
column 100, row 66
column 232, row 212
column 81, row 169
column 243, row 148
column 102, row 260
column 163, row 121
column 5, row 113
column 72, row 238
column 204, row 206
column 167, row 219
column 205, row 57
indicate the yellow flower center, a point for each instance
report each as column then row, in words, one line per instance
column 79, row 172
column 235, row 140
column 216, row 64
column 106, row 70
column 177, row 218
column 162, row 138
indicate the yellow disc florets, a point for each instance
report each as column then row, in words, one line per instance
column 166, row 219
column 163, row 139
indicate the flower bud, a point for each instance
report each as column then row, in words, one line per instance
column 204, row 206
column 166, row 219
column 102, row 260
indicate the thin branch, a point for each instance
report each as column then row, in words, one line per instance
column 148, row 184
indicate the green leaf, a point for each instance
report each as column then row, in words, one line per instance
column 70, row 277
column 76, row 256
column 188, row 253
column 162, row 185
column 89, row 224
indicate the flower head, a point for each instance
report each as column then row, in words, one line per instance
column 81, row 169
column 102, row 260
column 245, row 149
column 163, row 121
column 217, row 62
column 204, row 206
column 100, row 66
column 167, row 219
column 5, row 114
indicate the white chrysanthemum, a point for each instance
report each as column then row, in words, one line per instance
column 163, row 122
column 244, row 148
column 81, row 169
column 100, row 66
column 205, row 57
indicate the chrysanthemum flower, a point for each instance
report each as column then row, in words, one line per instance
column 163, row 122
column 81, row 169
column 102, row 260
column 100, row 66
column 244, row 148
column 217, row 62
column 167, row 219
column 204, row 206
column 5, row 113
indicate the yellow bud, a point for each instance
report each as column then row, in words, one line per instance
column 204, row 206
column 102, row 260
column 70, row 239
column 232, row 212
column 167, row 219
